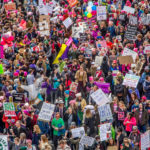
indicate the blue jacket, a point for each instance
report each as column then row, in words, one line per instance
column 146, row 86
column 44, row 127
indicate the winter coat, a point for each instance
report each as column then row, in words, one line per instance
column 129, row 123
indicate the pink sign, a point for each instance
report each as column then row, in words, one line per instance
column 69, row 41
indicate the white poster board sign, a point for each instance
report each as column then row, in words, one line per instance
column 129, row 52
column 147, row 49
column 105, row 112
column 98, row 60
column 145, row 140
column 67, row 22
column 99, row 97
column 78, row 132
column 129, row 10
column 86, row 140
column 46, row 112
column 101, row 13
column 133, row 20
column 76, row 31
column 3, row 142
column 105, row 130
column 131, row 80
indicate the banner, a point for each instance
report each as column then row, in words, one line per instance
column 105, row 131
column 105, row 112
column 67, row 22
column 62, row 50
column 73, row 87
column 3, row 142
column 9, row 109
column 99, row 97
column 104, row 86
column 78, row 132
column 131, row 80
column 101, row 13
column 1, row 52
column 69, row 41
column 145, row 140
column 129, row 52
column 46, row 112
column 86, row 140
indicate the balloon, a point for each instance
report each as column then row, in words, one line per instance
column 85, row 13
column 90, row 3
column 89, row 9
column 89, row 15
column 93, row 13
column 94, row 7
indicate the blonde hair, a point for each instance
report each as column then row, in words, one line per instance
column 37, row 129
column 88, row 113
column 44, row 139
column 121, row 102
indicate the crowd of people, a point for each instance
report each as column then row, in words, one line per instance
column 41, row 67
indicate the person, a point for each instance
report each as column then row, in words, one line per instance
column 126, row 144
column 69, row 117
column 146, row 87
column 63, row 145
column 29, row 145
column 142, row 117
column 129, row 122
column 36, row 135
column 135, row 138
column 80, row 103
column 16, row 145
column 120, row 137
column 58, row 128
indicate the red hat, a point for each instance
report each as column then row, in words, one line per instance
column 144, row 97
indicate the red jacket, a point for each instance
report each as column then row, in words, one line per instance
column 12, row 121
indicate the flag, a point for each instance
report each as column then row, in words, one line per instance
column 65, row 54
column 62, row 50
column 1, row 69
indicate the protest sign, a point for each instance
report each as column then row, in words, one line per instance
column 83, row 37
column 105, row 131
column 1, row 52
column 67, row 22
column 45, row 9
column 129, row 10
column 69, row 41
column 102, row 45
column 98, row 60
column 44, row 25
column 19, row 98
column 10, row 6
column 76, row 32
column 105, row 112
column 99, row 97
column 86, row 140
column 46, row 112
column 145, row 20
column 147, row 49
column 101, row 13
column 3, row 142
column 131, row 32
column 133, row 20
column 119, row 38
column 145, row 140
column 78, row 132
column 104, row 86
column 129, row 52
column 125, row 60
column 131, row 80
column 73, row 87
column 9, row 109
column 122, row 17
column 72, row 3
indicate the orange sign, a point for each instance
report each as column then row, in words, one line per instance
column 72, row 3
column 10, row 6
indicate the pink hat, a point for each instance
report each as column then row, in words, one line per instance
column 65, row 10
column 101, row 79
column 135, row 49
column 25, row 74
column 1, row 98
column 91, row 78
column 82, row 49
column 16, row 74
column 66, row 5
column 95, row 26
column 72, row 101
column 1, row 104
column 114, row 61
column 26, row 112
column 144, row 97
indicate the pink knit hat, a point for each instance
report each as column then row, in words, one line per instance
column 91, row 78
column 16, row 74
